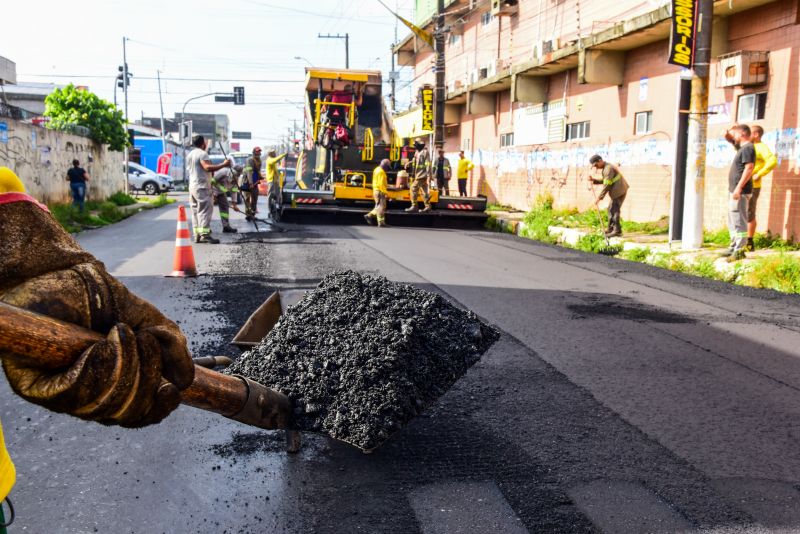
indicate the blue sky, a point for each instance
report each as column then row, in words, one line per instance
column 81, row 42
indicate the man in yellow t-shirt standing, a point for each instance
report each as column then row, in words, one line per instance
column 464, row 167
column 7, row 477
column 765, row 162
column 380, row 192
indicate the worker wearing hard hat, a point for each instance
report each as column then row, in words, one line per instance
column 133, row 377
column 223, row 182
column 421, row 172
column 380, row 192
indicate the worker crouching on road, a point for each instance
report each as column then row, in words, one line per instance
column 133, row 377
column 380, row 192
column 421, row 171
column 224, row 182
column 201, row 198
column 615, row 185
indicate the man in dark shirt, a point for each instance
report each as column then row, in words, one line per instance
column 441, row 168
column 740, row 187
column 77, row 178
column 615, row 186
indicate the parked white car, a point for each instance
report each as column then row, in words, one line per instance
column 143, row 179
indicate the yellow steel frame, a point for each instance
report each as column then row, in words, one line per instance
column 396, row 147
column 351, row 113
column 368, row 154
column 344, row 191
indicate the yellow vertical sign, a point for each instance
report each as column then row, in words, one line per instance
column 426, row 96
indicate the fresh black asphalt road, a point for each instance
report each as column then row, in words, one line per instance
column 620, row 398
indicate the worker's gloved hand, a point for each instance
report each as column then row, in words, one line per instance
column 128, row 379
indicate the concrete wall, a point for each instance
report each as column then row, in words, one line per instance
column 41, row 158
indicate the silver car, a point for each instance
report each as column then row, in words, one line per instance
column 143, row 179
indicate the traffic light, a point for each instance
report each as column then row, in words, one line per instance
column 121, row 75
column 238, row 96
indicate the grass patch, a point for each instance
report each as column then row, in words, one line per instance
column 591, row 243
column 499, row 207
column 705, row 267
column 538, row 220
column 719, row 237
column 769, row 240
column 161, row 200
column 74, row 220
column 122, row 199
column 639, row 254
column 658, row 227
column 779, row 272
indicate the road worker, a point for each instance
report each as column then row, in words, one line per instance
column 442, row 172
column 616, row 187
column 248, row 183
column 380, row 192
column 421, row 171
column 224, row 182
column 465, row 166
column 133, row 377
column 201, row 198
column 273, row 176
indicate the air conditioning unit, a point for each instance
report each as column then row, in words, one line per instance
column 483, row 73
column 458, row 84
column 491, row 69
column 474, row 76
column 451, row 87
column 745, row 67
column 504, row 7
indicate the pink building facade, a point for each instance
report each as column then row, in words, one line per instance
column 534, row 91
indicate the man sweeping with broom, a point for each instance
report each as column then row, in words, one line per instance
column 615, row 185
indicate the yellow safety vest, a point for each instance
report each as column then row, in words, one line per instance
column 8, row 474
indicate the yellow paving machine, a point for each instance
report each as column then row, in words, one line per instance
column 349, row 132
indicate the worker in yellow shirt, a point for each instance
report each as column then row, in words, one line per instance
column 380, row 192
column 765, row 162
column 132, row 378
column 464, row 167
column 273, row 177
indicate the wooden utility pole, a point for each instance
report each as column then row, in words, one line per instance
column 439, row 33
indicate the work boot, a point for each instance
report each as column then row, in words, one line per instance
column 751, row 245
column 614, row 233
column 229, row 230
column 206, row 238
column 727, row 253
column 368, row 218
column 427, row 208
column 382, row 224
column 736, row 256
column 412, row 209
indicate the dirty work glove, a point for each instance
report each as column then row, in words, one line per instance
column 131, row 378
column 125, row 380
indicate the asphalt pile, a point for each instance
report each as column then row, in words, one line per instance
column 360, row 356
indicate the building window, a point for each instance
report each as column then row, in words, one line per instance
column 578, row 130
column 643, row 123
column 486, row 19
column 751, row 107
column 506, row 140
column 454, row 39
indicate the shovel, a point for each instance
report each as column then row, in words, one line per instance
column 54, row 344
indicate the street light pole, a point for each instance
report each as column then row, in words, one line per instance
column 183, row 121
column 125, row 92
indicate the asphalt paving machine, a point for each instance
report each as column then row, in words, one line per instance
column 349, row 132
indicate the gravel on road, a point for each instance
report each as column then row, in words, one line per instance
column 360, row 356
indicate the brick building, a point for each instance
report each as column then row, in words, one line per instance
column 535, row 88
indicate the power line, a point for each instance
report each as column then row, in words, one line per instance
column 163, row 78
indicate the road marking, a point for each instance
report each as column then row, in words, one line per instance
column 460, row 507
column 618, row 506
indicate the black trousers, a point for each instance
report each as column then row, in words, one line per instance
column 614, row 209
column 462, row 187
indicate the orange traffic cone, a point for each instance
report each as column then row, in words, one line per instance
column 183, row 264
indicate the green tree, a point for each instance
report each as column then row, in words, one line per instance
column 70, row 107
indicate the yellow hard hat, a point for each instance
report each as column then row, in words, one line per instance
column 10, row 182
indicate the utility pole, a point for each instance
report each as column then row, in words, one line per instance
column 161, row 105
column 125, row 92
column 346, row 38
column 393, row 73
column 698, row 131
column 438, row 36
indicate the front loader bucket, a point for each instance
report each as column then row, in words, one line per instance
column 261, row 322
